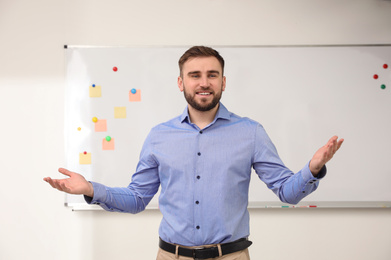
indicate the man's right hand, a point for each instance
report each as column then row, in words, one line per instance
column 75, row 184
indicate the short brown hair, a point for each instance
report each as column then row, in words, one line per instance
column 200, row 51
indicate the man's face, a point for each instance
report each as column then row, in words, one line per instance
column 202, row 82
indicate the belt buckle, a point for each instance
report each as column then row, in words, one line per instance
column 202, row 251
column 194, row 252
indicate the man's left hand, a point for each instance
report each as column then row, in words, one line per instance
column 324, row 154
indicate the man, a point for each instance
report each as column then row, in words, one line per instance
column 202, row 160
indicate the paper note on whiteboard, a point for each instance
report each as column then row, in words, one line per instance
column 119, row 112
column 108, row 145
column 84, row 158
column 95, row 91
column 135, row 95
column 101, row 125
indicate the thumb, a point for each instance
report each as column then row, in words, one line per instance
column 65, row 172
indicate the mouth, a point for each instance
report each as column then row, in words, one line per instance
column 204, row 93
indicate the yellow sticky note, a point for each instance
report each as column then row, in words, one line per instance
column 119, row 112
column 95, row 91
column 101, row 125
column 135, row 95
column 108, row 145
column 84, row 158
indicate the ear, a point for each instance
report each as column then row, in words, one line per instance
column 180, row 83
column 223, row 84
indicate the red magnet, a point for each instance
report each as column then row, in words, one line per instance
column 385, row 66
column 375, row 76
column 85, row 152
column 115, row 68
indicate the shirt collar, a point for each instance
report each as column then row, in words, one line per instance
column 222, row 113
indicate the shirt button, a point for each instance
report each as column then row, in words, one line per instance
column 198, row 177
column 197, row 227
column 199, row 154
column 201, row 132
column 197, row 202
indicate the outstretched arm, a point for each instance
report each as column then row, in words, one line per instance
column 75, row 184
column 324, row 154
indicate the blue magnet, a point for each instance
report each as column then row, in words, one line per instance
column 133, row 91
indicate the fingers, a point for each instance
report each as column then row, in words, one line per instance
column 333, row 146
column 65, row 172
column 49, row 180
column 54, row 183
column 57, row 184
column 336, row 144
column 340, row 143
column 332, row 141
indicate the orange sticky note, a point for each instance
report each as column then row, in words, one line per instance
column 84, row 158
column 95, row 91
column 135, row 95
column 108, row 145
column 119, row 112
column 101, row 125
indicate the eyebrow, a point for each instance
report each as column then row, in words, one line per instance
column 198, row 72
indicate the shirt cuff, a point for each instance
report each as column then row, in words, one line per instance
column 322, row 172
column 99, row 194
column 307, row 174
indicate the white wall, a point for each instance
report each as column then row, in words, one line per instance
column 34, row 224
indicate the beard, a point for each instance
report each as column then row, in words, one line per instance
column 202, row 105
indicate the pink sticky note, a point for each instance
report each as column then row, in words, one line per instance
column 101, row 125
column 108, row 145
column 135, row 97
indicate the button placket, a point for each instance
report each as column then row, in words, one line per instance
column 197, row 188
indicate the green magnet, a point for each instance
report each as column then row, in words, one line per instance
column 383, row 86
column 108, row 138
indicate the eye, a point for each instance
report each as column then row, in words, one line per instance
column 212, row 75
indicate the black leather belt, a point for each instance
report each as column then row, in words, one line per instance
column 205, row 253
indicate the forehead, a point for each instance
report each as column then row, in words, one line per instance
column 202, row 64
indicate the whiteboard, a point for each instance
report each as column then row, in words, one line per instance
column 302, row 95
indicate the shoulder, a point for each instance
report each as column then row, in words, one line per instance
column 244, row 121
column 169, row 124
column 165, row 127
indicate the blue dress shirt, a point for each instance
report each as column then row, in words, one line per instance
column 204, row 176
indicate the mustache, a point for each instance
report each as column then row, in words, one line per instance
column 202, row 89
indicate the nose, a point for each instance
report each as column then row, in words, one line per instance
column 204, row 81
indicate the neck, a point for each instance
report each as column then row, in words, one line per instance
column 202, row 118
